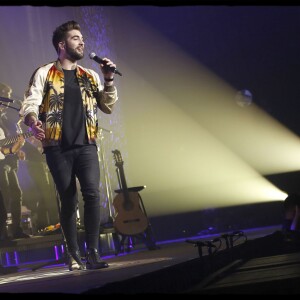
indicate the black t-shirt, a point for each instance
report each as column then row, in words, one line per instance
column 73, row 127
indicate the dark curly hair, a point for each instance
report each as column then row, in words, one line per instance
column 61, row 31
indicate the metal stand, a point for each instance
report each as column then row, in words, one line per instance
column 108, row 190
column 107, row 228
column 147, row 237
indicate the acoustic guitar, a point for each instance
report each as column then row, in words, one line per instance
column 12, row 139
column 130, row 218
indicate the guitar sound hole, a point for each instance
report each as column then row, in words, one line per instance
column 128, row 205
column 131, row 221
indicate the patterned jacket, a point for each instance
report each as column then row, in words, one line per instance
column 44, row 98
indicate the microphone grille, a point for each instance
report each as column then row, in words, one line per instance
column 92, row 55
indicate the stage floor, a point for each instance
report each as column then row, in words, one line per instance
column 125, row 266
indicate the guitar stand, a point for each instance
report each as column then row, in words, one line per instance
column 147, row 237
column 128, row 242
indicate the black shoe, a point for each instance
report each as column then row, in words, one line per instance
column 93, row 260
column 74, row 261
column 153, row 247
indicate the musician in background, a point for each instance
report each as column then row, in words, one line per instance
column 291, row 214
column 44, row 210
column 11, row 193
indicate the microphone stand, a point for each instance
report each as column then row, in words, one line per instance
column 7, row 105
column 101, row 154
column 103, row 129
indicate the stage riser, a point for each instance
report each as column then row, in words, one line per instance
column 46, row 248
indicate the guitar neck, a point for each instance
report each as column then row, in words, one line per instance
column 122, row 178
column 13, row 139
column 121, row 173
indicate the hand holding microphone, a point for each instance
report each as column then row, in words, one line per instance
column 107, row 64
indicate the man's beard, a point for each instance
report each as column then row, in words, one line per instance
column 73, row 54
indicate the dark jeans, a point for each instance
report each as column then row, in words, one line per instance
column 81, row 162
column 3, row 217
column 11, row 196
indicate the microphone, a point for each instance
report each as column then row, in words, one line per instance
column 2, row 99
column 99, row 60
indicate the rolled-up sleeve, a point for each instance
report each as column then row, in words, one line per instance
column 107, row 95
column 108, row 98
